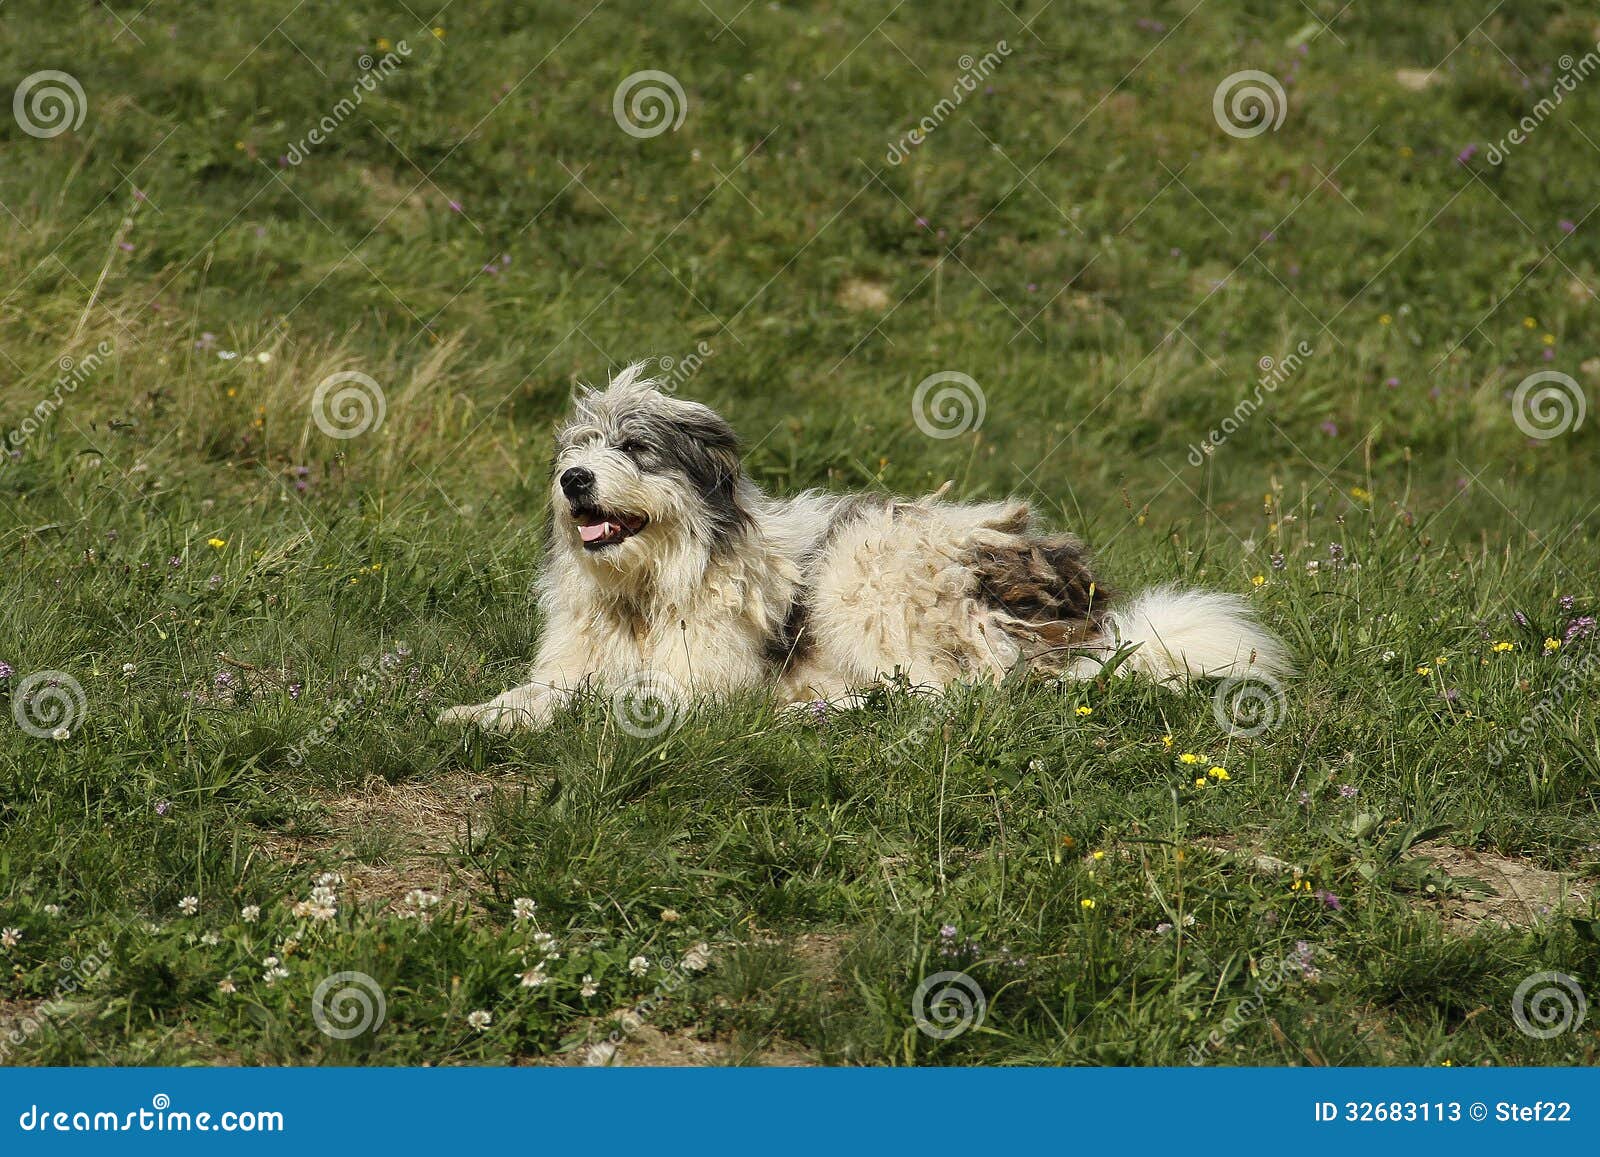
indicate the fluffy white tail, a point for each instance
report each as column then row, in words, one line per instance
column 1193, row 634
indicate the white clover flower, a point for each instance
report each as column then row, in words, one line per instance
column 250, row 913
column 52, row 910
column 274, row 974
column 61, row 733
column 10, row 937
column 522, row 908
column 226, row 985
column 589, row 987
column 128, row 668
column 480, row 1019
column 638, row 966
column 698, row 957
column 534, row 978
column 270, row 962
column 210, row 939
column 189, row 905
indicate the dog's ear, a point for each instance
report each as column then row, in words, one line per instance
column 706, row 448
column 710, row 445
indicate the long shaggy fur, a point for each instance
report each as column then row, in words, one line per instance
column 666, row 563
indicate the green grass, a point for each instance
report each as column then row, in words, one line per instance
column 1081, row 238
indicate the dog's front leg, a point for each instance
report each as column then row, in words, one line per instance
column 531, row 706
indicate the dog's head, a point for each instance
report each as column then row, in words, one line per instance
column 640, row 474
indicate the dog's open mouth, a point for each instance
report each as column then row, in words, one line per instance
column 600, row 528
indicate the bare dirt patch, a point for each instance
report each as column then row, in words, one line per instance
column 1519, row 893
column 392, row 838
column 863, row 296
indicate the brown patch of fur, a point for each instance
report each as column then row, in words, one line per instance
column 1047, row 586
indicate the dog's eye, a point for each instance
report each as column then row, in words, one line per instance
column 632, row 447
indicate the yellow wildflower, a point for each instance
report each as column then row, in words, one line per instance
column 216, row 543
column 1084, row 712
column 1424, row 670
column 1190, row 757
column 1086, row 903
column 1220, row 774
column 1502, row 647
column 1258, row 580
column 1551, row 645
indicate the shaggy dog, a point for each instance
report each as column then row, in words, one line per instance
column 666, row 563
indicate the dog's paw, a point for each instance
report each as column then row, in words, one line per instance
column 516, row 710
column 454, row 716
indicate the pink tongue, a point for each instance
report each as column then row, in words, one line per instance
column 597, row 531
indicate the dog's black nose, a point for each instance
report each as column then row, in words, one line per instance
column 577, row 481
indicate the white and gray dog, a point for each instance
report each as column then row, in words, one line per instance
column 666, row 562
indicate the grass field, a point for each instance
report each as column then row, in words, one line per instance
column 225, row 631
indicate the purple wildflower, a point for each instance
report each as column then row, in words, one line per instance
column 162, row 806
column 1521, row 619
column 1348, row 791
column 6, row 670
column 1466, row 154
column 1330, row 428
column 1565, row 225
column 1579, row 628
column 1566, row 602
column 1330, row 899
